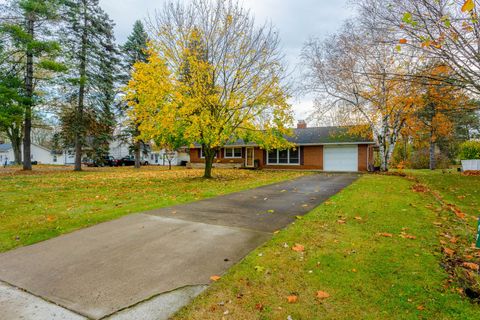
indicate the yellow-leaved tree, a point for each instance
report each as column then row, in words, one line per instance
column 212, row 77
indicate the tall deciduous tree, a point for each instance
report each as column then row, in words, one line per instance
column 437, row 105
column 27, row 26
column 134, row 50
column 93, row 60
column 356, row 71
column 445, row 30
column 215, row 75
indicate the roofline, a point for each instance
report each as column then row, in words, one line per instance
column 33, row 144
column 299, row 144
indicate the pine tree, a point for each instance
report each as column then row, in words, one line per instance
column 134, row 50
column 26, row 28
column 93, row 57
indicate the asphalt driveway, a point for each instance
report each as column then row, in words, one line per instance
column 98, row 271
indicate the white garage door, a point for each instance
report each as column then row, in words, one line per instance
column 340, row 158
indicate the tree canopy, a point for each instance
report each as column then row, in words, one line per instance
column 212, row 77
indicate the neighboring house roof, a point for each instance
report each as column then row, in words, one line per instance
column 317, row 136
column 4, row 147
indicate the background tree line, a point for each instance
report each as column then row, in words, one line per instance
column 60, row 67
column 208, row 74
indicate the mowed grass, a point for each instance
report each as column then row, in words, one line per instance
column 455, row 188
column 51, row 201
column 373, row 248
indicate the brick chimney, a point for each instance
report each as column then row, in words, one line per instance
column 302, row 124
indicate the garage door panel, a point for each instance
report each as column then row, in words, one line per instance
column 340, row 158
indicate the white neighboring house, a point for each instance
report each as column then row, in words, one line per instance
column 119, row 149
column 40, row 154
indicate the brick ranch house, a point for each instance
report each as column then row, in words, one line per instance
column 317, row 148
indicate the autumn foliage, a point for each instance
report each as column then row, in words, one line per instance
column 211, row 77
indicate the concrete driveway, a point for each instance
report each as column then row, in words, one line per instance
column 148, row 265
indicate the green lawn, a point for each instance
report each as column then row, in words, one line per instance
column 374, row 248
column 51, row 201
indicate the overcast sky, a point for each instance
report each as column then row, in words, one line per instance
column 296, row 20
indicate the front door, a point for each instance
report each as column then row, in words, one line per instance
column 249, row 158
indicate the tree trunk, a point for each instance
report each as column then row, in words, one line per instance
column 17, row 153
column 27, row 134
column 209, row 156
column 383, row 154
column 432, row 152
column 169, row 164
column 138, row 145
column 81, row 94
column 14, row 134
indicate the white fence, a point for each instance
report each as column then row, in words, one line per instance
column 470, row 165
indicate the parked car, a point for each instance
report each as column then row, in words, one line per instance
column 129, row 161
column 105, row 161
column 109, row 161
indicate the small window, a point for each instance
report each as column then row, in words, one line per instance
column 294, row 156
column 283, row 156
column 272, row 156
column 203, row 156
column 233, row 152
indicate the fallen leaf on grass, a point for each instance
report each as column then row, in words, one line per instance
column 215, row 278
column 259, row 269
column 292, row 299
column 407, row 236
column 471, row 265
column 259, row 306
column 322, row 295
column 420, row 308
column 419, row 188
column 298, row 248
column 385, row 234
column 453, row 240
column 358, row 218
column 448, row 251
column 460, row 214
column 340, row 221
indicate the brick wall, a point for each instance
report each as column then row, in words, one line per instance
column 311, row 158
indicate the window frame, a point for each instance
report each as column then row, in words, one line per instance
column 202, row 156
column 288, row 158
column 233, row 156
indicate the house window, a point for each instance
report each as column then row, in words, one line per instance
column 233, row 152
column 289, row 156
column 203, row 156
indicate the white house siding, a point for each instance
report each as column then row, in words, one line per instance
column 40, row 154
column 119, row 150
column 160, row 158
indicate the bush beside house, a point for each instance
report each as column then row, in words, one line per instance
column 469, row 150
